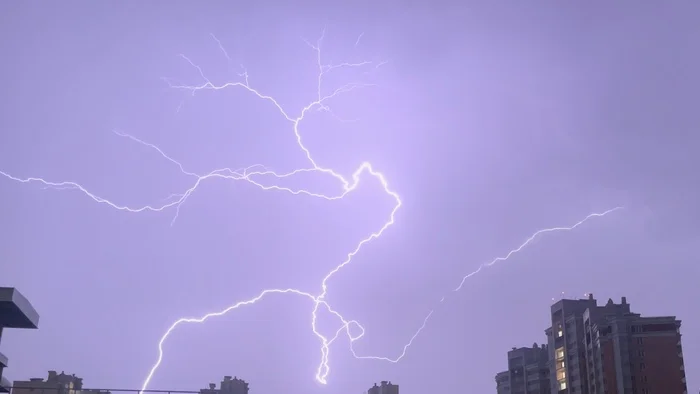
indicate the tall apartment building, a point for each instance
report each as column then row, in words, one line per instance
column 228, row 386
column 55, row 383
column 565, row 338
column 528, row 372
column 385, row 387
column 628, row 353
column 610, row 350
column 15, row 312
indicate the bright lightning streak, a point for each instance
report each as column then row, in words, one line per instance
column 529, row 240
column 250, row 174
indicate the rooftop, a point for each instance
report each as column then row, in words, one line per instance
column 15, row 310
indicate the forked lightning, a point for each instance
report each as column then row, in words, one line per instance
column 255, row 175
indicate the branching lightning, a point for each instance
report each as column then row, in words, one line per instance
column 254, row 175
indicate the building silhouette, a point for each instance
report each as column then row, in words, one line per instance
column 55, row 383
column 604, row 349
column 385, row 387
column 566, row 340
column 15, row 312
column 528, row 371
column 228, row 386
column 631, row 353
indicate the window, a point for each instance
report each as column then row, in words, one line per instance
column 641, row 353
column 644, row 379
column 562, row 386
column 560, row 353
column 645, row 391
column 640, row 341
column 642, row 366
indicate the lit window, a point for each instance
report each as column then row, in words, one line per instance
column 560, row 353
column 562, row 385
column 561, row 375
column 560, row 333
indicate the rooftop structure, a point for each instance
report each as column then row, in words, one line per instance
column 15, row 312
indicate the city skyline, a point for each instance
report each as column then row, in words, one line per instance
column 618, row 344
column 519, row 140
column 63, row 383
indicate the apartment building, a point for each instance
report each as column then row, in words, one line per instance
column 384, row 387
column 55, row 383
column 230, row 385
column 528, row 372
column 600, row 349
column 609, row 349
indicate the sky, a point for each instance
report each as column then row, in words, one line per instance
column 490, row 120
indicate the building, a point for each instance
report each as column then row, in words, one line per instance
column 503, row 383
column 228, row 386
column 630, row 353
column 610, row 350
column 565, row 338
column 528, row 371
column 15, row 312
column 55, row 383
column 384, row 388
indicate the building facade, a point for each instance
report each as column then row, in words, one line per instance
column 528, row 372
column 609, row 349
column 15, row 312
column 55, row 383
column 385, row 387
column 565, row 338
column 628, row 353
column 230, row 385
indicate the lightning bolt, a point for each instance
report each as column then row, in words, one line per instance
column 254, row 175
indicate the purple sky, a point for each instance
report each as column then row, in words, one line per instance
column 490, row 121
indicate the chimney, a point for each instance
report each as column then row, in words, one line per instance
column 384, row 382
column 52, row 375
column 212, row 386
column 590, row 296
column 624, row 300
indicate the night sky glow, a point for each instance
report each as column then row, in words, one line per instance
column 289, row 183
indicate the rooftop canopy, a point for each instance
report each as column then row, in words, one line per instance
column 16, row 311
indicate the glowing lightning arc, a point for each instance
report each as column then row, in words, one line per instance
column 250, row 174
